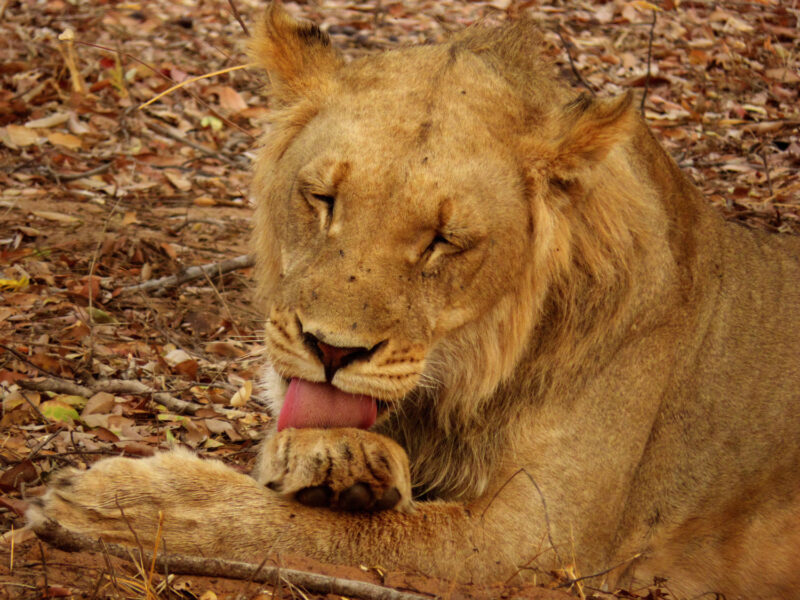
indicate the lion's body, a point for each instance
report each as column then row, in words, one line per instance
column 582, row 362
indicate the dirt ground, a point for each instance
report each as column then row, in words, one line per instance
column 98, row 194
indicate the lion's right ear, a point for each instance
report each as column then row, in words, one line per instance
column 588, row 129
column 297, row 56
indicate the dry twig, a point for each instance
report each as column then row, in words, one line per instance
column 73, row 176
column 57, row 536
column 170, row 133
column 567, row 45
column 209, row 270
column 238, row 17
column 649, row 60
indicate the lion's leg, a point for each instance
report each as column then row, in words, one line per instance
column 211, row 510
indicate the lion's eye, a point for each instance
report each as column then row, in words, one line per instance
column 440, row 245
column 438, row 241
column 329, row 201
column 323, row 205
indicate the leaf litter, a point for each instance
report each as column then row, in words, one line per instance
column 97, row 196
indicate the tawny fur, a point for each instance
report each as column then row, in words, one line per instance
column 593, row 358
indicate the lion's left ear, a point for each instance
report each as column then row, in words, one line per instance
column 297, row 56
column 587, row 130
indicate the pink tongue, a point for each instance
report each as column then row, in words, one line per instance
column 321, row 405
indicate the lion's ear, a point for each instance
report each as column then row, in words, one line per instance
column 588, row 129
column 297, row 56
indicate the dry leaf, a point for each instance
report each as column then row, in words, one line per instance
column 67, row 140
column 50, row 121
column 177, row 356
column 16, row 136
column 644, row 6
column 55, row 216
column 101, row 402
column 229, row 98
column 242, row 395
column 177, row 179
column 783, row 75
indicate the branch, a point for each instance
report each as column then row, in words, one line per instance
column 567, row 46
column 96, row 171
column 211, row 269
column 649, row 57
column 119, row 386
column 57, row 536
column 178, row 137
column 238, row 17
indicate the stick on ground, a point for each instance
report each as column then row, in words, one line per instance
column 210, row 270
column 57, row 536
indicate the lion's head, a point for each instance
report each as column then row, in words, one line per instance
column 416, row 209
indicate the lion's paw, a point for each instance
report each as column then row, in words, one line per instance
column 348, row 469
column 102, row 501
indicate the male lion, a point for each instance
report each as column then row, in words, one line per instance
column 506, row 333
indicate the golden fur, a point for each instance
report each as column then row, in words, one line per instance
column 581, row 363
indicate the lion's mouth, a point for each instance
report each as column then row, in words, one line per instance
column 321, row 405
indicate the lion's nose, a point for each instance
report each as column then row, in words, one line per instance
column 334, row 358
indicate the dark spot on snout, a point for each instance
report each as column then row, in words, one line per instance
column 341, row 253
column 351, row 279
column 314, row 295
column 424, row 160
column 354, row 326
column 357, row 497
column 317, row 496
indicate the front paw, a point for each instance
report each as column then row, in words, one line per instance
column 196, row 504
column 108, row 500
column 349, row 469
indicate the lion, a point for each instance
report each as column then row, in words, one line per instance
column 506, row 335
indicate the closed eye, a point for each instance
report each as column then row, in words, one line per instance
column 325, row 199
column 322, row 204
column 440, row 246
column 438, row 240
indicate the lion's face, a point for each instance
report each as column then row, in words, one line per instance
column 402, row 241
column 396, row 222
